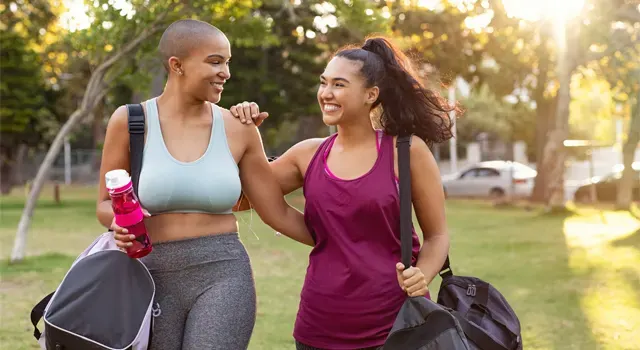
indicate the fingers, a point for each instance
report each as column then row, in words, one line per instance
column 122, row 236
column 254, row 110
column 260, row 118
column 234, row 111
column 238, row 112
column 399, row 268
column 410, row 272
column 415, row 283
column 124, row 240
column 146, row 213
column 412, row 280
column 247, row 112
column 419, row 292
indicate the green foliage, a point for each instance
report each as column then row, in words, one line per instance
column 592, row 108
column 282, row 76
column 488, row 113
column 440, row 38
column 28, row 18
column 26, row 112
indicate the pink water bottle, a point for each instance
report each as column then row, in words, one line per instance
column 127, row 211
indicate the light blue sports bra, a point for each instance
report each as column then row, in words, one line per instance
column 210, row 184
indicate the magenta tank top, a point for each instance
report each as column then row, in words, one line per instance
column 351, row 296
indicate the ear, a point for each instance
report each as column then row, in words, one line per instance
column 175, row 65
column 371, row 95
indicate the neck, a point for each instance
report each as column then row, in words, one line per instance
column 356, row 134
column 179, row 105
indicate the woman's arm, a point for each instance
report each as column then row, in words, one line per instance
column 428, row 203
column 260, row 183
column 288, row 169
column 115, row 155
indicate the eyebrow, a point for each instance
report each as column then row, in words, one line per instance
column 215, row 55
column 335, row 79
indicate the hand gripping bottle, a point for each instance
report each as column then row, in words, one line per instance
column 127, row 211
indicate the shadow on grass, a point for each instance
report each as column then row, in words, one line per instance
column 50, row 204
column 632, row 240
column 37, row 264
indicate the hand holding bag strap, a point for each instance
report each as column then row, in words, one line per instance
column 136, row 141
column 403, row 143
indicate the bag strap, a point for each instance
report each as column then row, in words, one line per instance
column 136, row 141
column 403, row 143
column 37, row 312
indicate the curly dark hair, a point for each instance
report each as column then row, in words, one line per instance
column 408, row 107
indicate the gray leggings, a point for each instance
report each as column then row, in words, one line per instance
column 205, row 294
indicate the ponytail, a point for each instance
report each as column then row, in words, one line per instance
column 408, row 107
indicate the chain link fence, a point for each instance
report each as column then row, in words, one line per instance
column 80, row 166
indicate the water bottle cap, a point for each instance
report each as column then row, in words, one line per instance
column 117, row 179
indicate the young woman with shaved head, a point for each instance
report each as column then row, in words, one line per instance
column 197, row 157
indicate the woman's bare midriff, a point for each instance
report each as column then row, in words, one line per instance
column 178, row 226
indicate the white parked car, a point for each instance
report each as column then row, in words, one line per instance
column 490, row 179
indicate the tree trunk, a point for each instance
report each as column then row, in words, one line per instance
column 17, row 175
column 625, row 187
column 309, row 127
column 56, row 193
column 94, row 92
column 554, row 151
column 543, row 117
column 97, row 126
column 11, row 162
column 6, row 183
column 98, row 130
column 158, row 82
column 17, row 254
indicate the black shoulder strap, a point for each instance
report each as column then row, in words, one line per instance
column 37, row 312
column 403, row 143
column 136, row 141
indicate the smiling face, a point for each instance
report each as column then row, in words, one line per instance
column 205, row 69
column 343, row 94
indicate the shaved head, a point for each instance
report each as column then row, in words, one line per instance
column 182, row 36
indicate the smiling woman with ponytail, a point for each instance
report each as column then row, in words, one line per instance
column 355, row 284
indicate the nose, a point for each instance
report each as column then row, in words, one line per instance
column 226, row 72
column 326, row 93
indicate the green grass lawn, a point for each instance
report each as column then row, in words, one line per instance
column 574, row 281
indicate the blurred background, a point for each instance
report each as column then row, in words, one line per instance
column 551, row 98
column 547, row 84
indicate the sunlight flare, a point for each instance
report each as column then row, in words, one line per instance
column 535, row 10
column 610, row 301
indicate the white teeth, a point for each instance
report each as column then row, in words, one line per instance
column 330, row 108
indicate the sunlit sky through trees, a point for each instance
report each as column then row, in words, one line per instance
column 76, row 18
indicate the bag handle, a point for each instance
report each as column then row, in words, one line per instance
column 403, row 143
column 37, row 312
column 136, row 141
